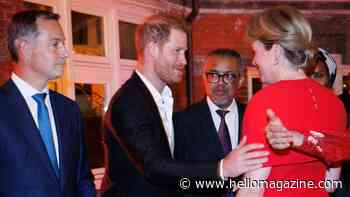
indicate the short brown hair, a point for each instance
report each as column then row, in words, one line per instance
column 286, row 26
column 24, row 24
column 156, row 28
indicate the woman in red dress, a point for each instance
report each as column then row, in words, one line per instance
column 281, row 41
column 332, row 147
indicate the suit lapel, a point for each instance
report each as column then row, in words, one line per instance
column 58, row 112
column 241, row 108
column 207, row 123
column 26, row 126
column 153, row 106
column 210, row 124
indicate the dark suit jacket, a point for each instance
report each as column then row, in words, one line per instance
column 196, row 138
column 345, row 178
column 139, row 158
column 25, row 168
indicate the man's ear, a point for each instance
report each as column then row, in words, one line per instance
column 153, row 49
column 204, row 78
column 241, row 80
column 23, row 47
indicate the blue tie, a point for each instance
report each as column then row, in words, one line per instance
column 45, row 129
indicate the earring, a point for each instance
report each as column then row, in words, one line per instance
column 275, row 62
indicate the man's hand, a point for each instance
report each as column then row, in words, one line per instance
column 244, row 159
column 278, row 136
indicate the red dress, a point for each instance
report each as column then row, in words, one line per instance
column 302, row 105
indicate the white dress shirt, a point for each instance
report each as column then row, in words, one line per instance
column 164, row 102
column 231, row 119
column 27, row 91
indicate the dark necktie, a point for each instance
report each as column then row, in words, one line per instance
column 45, row 129
column 225, row 140
column 224, row 133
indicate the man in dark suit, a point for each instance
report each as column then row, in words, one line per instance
column 42, row 151
column 199, row 129
column 140, row 135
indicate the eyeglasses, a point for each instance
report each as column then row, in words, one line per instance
column 214, row 77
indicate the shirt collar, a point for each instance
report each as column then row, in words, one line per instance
column 214, row 107
column 165, row 95
column 25, row 88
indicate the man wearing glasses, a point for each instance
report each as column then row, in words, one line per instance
column 210, row 129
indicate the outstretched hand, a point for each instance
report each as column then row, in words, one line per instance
column 278, row 136
column 244, row 158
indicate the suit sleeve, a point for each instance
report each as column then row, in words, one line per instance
column 86, row 187
column 180, row 130
column 185, row 126
column 135, row 131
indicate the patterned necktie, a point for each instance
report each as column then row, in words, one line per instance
column 225, row 140
column 224, row 133
column 45, row 129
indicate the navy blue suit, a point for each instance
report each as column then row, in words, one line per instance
column 25, row 168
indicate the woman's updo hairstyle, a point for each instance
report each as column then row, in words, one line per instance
column 286, row 26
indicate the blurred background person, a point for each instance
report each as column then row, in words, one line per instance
column 322, row 68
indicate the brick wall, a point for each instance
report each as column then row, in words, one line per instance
column 8, row 8
column 332, row 32
column 211, row 31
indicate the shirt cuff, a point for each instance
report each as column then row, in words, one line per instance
column 221, row 170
